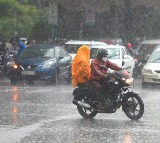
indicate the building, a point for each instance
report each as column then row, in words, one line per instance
column 91, row 18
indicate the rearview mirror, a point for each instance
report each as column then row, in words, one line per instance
column 59, row 58
column 123, row 63
column 145, row 61
column 126, row 57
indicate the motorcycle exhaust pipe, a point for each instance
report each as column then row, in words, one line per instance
column 82, row 104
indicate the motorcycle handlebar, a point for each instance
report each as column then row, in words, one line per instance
column 108, row 72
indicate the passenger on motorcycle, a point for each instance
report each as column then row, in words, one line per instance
column 97, row 73
column 81, row 66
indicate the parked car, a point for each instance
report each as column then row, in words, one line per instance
column 118, row 55
column 112, row 41
column 144, row 51
column 151, row 70
column 42, row 62
column 73, row 45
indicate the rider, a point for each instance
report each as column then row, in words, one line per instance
column 81, row 66
column 98, row 73
column 22, row 45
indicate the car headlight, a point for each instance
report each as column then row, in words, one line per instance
column 47, row 65
column 145, row 70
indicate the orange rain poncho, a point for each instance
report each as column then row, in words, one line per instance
column 81, row 66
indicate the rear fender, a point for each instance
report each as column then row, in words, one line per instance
column 77, row 94
column 80, row 93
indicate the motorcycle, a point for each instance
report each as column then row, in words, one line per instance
column 116, row 94
column 14, row 72
column 15, row 76
column 139, row 64
column 4, row 59
column 138, row 69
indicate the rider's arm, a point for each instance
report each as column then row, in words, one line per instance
column 113, row 66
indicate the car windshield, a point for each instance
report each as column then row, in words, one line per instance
column 146, row 49
column 93, row 52
column 34, row 52
column 72, row 49
column 155, row 57
column 114, row 53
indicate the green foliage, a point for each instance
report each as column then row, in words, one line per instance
column 23, row 18
column 17, row 19
column 41, row 31
column 139, row 22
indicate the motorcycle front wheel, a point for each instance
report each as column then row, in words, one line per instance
column 13, row 80
column 86, row 113
column 133, row 106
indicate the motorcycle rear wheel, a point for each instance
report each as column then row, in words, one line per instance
column 86, row 113
column 133, row 106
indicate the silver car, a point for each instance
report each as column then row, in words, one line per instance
column 73, row 45
column 117, row 55
column 151, row 70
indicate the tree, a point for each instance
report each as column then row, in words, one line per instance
column 17, row 19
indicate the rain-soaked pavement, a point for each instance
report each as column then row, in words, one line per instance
column 44, row 113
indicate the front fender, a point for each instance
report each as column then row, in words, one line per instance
column 13, row 72
column 128, row 94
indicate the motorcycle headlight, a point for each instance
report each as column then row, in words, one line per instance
column 128, row 81
column 47, row 65
column 15, row 66
column 145, row 70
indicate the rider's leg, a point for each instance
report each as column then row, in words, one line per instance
column 97, row 88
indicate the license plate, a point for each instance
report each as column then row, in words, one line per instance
column 158, row 76
column 28, row 72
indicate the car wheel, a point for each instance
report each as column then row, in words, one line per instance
column 68, row 80
column 144, row 84
column 54, row 79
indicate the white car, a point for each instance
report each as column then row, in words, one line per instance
column 73, row 45
column 118, row 55
column 151, row 70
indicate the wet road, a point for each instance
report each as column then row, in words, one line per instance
column 44, row 113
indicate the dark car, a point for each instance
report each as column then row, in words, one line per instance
column 42, row 62
column 143, row 53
